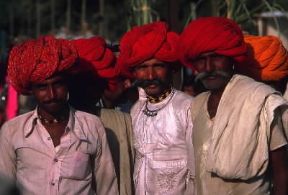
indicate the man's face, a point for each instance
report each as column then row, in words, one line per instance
column 213, row 70
column 154, row 76
column 51, row 94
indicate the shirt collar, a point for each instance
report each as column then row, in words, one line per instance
column 72, row 125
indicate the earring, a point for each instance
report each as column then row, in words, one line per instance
column 67, row 97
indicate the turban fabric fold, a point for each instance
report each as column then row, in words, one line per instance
column 145, row 42
column 212, row 34
column 36, row 60
column 94, row 55
column 270, row 58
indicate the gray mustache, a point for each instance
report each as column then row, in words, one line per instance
column 220, row 73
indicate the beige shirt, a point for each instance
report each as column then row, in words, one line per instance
column 208, row 183
column 119, row 134
column 27, row 154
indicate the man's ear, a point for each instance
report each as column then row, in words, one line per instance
column 28, row 92
column 176, row 66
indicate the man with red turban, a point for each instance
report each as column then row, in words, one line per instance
column 237, row 124
column 164, row 160
column 94, row 75
column 53, row 149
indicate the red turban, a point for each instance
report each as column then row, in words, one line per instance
column 142, row 43
column 270, row 58
column 212, row 34
column 94, row 55
column 37, row 60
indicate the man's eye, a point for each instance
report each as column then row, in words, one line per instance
column 140, row 67
column 199, row 61
column 59, row 83
column 41, row 87
column 159, row 65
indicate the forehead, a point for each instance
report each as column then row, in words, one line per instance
column 206, row 54
column 152, row 62
column 50, row 80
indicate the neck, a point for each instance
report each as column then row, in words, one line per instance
column 161, row 97
column 56, row 117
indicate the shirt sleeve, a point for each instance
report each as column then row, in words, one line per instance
column 7, row 154
column 191, row 156
column 278, row 129
column 105, row 176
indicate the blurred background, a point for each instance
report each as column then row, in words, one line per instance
column 22, row 19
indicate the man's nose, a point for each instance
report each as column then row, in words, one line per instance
column 209, row 66
column 151, row 73
column 51, row 92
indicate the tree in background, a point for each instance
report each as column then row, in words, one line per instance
column 112, row 18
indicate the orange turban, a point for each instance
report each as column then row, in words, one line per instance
column 212, row 34
column 270, row 58
column 142, row 43
column 94, row 55
column 37, row 60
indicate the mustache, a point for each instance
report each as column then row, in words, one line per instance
column 219, row 73
column 146, row 83
column 53, row 101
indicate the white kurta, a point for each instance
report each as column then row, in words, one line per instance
column 164, row 161
column 212, row 182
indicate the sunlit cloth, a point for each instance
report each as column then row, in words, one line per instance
column 248, row 157
column 119, row 134
column 146, row 42
column 95, row 56
column 37, row 60
column 270, row 58
column 212, row 34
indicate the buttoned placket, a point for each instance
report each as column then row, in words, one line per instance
column 57, row 155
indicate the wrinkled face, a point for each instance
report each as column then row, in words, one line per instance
column 154, row 76
column 51, row 94
column 213, row 70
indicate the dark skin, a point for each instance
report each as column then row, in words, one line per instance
column 154, row 69
column 210, row 62
column 51, row 96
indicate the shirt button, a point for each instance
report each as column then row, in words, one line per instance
column 52, row 183
column 49, row 138
column 55, row 160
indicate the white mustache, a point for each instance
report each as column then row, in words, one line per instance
column 220, row 73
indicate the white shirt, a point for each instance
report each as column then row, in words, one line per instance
column 286, row 93
column 27, row 154
column 164, row 153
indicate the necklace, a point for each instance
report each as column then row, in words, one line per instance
column 160, row 98
column 152, row 113
column 51, row 121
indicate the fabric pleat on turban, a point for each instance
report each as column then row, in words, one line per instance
column 212, row 34
column 36, row 60
column 94, row 55
column 270, row 58
column 145, row 42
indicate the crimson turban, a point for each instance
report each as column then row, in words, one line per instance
column 36, row 60
column 142, row 43
column 212, row 34
column 270, row 58
column 94, row 55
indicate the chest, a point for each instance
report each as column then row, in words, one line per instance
column 55, row 131
column 212, row 105
column 164, row 128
